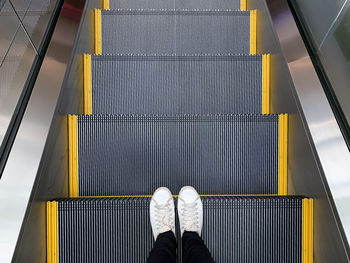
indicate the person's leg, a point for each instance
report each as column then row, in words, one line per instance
column 190, row 210
column 194, row 250
column 162, row 217
column 164, row 249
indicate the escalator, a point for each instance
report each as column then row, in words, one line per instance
column 175, row 93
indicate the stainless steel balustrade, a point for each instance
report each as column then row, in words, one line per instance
column 24, row 27
column 37, row 169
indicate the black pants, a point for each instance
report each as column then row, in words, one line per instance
column 193, row 249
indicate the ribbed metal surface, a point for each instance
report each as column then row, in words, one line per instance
column 235, row 229
column 175, row 32
column 253, row 229
column 216, row 154
column 176, row 4
column 176, row 84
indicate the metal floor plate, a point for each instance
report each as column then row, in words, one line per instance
column 235, row 229
column 175, row 32
column 176, row 4
column 176, row 84
column 225, row 154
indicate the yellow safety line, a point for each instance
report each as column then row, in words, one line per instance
column 282, row 153
column 307, row 234
column 285, row 153
column 73, row 155
column 105, row 4
column 48, row 232
column 87, row 84
column 52, row 232
column 253, row 32
column 117, row 196
column 98, row 31
column 148, row 196
column 243, row 5
column 266, row 76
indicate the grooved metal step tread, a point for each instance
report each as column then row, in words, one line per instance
column 218, row 154
column 176, row 4
column 172, row 32
column 235, row 229
column 122, row 84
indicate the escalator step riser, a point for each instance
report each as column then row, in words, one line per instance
column 235, row 229
column 176, row 85
column 175, row 32
column 119, row 155
column 176, row 4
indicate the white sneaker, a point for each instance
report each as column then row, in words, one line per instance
column 190, row 210
column 162, row 212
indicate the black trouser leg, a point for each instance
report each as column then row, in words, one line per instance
column 164, row 249
column 194, row 250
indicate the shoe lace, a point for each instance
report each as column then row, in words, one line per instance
column 164, row 219
column 190, row 218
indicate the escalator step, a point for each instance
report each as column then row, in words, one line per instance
column 176, row 84
column 172, row 32
column 176, row 4
column 235, row 229
column 223, row 154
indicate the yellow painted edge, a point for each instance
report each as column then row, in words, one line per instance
column 253, row 32
column 311, row 239
column 105, row 4
column 243, row 5
column 266, row 76
column 98, row 33
column 149, row 196
column 52, row 232
column 307, row 228
column 48, row 232
column 87, row 84
column 55, row 228
column 282, row 153
column 73, row 155
column 285, row 153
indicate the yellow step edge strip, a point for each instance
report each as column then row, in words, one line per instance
column 105, row 4
column 243, row 5
column 282, row 153
column 87, row 84
column 98, row 32
column 307, row 228
column 73, row 155
column 266, row 83
column 52, row 232
column 149, row 196
column 253, row 32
